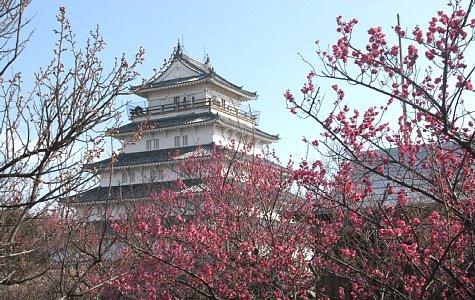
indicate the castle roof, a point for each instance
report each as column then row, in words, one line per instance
column 141, row 191
column 151, row 157
column 188, row 120
column 191, row 72
column 164, row 123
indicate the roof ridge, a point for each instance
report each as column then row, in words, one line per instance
column 178, row 80
column 203, row 67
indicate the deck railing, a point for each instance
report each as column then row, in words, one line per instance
column 138, row 110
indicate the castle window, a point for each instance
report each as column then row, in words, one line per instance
column 156, row 144
column 160, row 174
column 124, row 177
column 176, row 100
column 177, row 141
column 185, row 140
column 132, row 176
column 156, row 174
column 148, row 144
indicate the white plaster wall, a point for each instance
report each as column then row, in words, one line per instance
column 177, row 70
column 202, row 90
column 196, row 136
column 142, row 175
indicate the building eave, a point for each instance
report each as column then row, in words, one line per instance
column 167, row 128
column 150, row 157
column 263, row 135
column 246, row 95
column 134, row 166
column 125, row 193
column 114, row 201
column 251, row 130
column 144, row 90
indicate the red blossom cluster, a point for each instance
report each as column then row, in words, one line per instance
column 394, row 195
column 235, row 236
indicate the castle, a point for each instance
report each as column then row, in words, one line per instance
column 188, row 108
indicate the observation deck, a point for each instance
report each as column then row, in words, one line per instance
column 213, row 104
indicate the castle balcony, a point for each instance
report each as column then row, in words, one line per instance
column 141, row 110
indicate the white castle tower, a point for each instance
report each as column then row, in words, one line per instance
column 188, row 107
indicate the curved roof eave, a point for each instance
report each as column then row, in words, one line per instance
column 267, row 136
column 215, row 79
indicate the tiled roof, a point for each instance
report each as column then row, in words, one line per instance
column 205, row 71
column 167, row 122
column 125, row 192
column 252, row 130
column 153, row 156
column 228, row 83
column 194, row 64
column 189, row 120
column 176, row 81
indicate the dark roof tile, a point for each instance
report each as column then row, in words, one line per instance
column 124, row 192
column 167, row 122
column 150, row 157
column 174, row 81
column 188, row 120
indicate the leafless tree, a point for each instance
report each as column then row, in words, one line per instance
column 13, row 36
column 46, row 135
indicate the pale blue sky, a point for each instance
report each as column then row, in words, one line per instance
column 251, row 43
